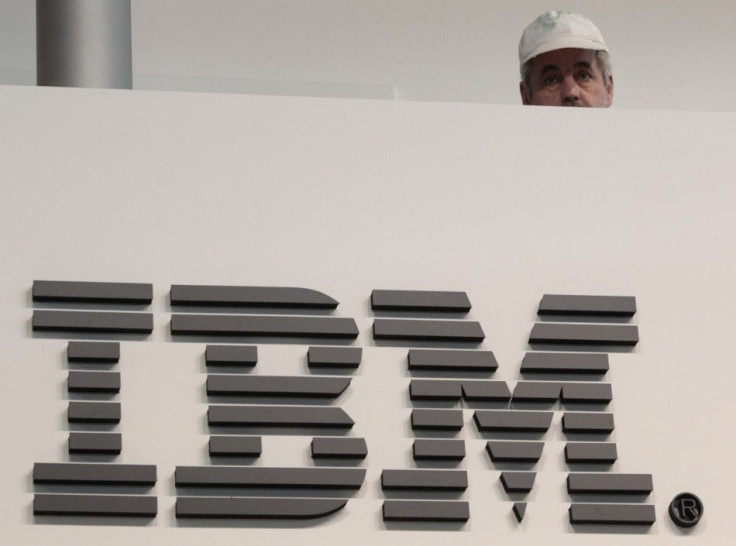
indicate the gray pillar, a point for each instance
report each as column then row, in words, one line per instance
column 84, row 43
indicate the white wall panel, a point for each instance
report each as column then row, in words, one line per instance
column 506, row 203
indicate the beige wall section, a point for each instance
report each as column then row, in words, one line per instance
column 667, row 55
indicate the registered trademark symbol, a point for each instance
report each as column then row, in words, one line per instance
column 686, row 509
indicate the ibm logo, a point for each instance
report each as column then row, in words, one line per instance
column 442, row 374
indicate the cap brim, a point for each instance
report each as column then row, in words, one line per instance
column 574, row 42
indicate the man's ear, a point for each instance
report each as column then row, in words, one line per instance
column 525, row 98
column 609, row 90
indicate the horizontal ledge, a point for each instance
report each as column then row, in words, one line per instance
column 584, row 334
column 94, row 473
column 414, row 510
column 287, row 416
column 566, row 363
column 51, row 504
column 589, row 393
column 424, row 480
column 486, row 391
column 108, row 443
column 514, row 451
column 437, row 419
column 552, row 391
column 264, row 325
column 587, row 422
column 430, row 449
column 256, row 507
column 513, row 420
column 334, row 357
column 93, row 322
column 518, row 482
column 455, row 389
column 280, row 477
column 435, row 389
column 537, row 391
column 93, row 412
column 235, row 446
column 420, row 300
column 275, row 385
column 452, row 360
column 620, row 514
column 231, row 355
column 92, row 292
column 342, row 448
column 609, row 483
column 591, row 452
column 601, row 306
column 427, row 330
column 93, row 351
column 250, row 296
column 84, row 381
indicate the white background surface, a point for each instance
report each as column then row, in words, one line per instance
column 674, row 54
column 506, row 203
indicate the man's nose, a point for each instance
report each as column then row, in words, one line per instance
column 570, row 89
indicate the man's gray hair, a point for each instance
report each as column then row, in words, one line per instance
column 602, row 58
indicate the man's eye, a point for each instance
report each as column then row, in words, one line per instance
column 552, row 79
column 585, row 76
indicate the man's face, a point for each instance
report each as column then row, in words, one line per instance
column 567, row 77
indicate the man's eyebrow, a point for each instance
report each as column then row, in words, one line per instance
column 555, row 68
column 550, row 68
column 583, row 64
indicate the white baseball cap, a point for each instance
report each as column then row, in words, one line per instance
column 559, row 30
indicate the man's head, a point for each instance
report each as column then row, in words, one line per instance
column 564, row 62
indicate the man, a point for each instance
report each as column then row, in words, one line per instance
column 564, row 62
